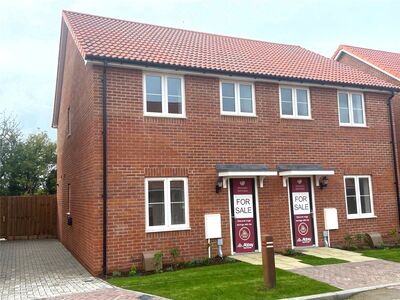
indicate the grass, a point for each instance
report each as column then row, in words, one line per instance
column 227, row 281
column 317, row 261
column 392, row 254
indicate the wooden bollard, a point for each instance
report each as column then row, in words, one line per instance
column 268, row 260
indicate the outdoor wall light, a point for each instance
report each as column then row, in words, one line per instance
column 219, row 184
column 323, row 182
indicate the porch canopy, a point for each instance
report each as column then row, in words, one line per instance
column 226, row 171
column 286, row 170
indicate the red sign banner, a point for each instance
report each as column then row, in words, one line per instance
column 244, row 227
column 301, row 204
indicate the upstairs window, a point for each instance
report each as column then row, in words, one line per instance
column 163, row 95
column 69, row 197
column 237, row 98
column 295, row 102
column 351, row 109
column 167, row 204
column 358, row 197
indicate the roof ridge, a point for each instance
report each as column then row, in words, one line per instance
column 365, row 48
column 96, row 38
column 182, row 29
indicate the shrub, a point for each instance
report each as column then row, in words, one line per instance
column 290, row 252
column 174, row 254
column 348, row 241
column 133, row 270
column 360, row 238
column 158, row 261
column 394, row 234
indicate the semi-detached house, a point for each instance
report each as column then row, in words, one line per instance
column 158, row 128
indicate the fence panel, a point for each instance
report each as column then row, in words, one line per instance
column 28, row 217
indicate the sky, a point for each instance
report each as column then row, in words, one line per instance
column 30, row 33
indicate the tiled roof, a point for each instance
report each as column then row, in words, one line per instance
column 100, row 37
column 386, row 61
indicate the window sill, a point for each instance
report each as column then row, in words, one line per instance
column 297, row 118
column 238, row 115
column 352, row 125
column 361, row 217
column 166, row 229
column 164, row 116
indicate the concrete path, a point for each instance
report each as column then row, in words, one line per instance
column 324, row 252
column 36, row 269
column 356, row 274
column 291, row 263
column 360, row 271
column 281, row 261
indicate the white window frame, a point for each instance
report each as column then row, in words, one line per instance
column 164, row 96
column 69, row 193
column 359, row 214
column 237, row 111
column 294, row 102
column 350, row 103
column 167, row 205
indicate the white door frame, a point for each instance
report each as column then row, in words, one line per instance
column 314, row 211
column 257, row 213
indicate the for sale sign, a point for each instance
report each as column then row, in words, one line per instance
column 301, row 203
column 301, row 207
column 243, row 212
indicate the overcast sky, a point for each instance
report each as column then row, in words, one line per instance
column 30, row 30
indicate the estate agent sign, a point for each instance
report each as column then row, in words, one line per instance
column 243, row 213
column 301, row 212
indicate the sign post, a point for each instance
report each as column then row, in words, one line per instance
column 268, row 259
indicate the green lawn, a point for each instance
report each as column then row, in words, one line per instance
column 227, row 281
column 392, row 254
column 317, row 261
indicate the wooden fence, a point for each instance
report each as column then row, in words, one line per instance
column 28, row 217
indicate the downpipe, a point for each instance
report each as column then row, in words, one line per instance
column 392, row 141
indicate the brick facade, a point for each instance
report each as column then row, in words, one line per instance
column 79, row 163
column 140, row 147
column 356, row 63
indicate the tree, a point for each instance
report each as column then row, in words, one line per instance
column 10, row 137
column 26, row 167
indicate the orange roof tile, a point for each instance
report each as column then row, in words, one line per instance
column 119, row 40
column 386, row 61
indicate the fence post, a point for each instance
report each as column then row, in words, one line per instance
column 268, row 260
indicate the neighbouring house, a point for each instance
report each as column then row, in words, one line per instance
column 160, row 129
column 382, row 64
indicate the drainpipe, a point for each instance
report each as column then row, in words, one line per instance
column 396, row 177
column 104, row 107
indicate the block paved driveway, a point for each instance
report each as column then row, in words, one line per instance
column 355, row 274
column 360, row 271
column 37, row 269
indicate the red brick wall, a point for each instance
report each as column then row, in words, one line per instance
column 356, row 63
column 140, row 147
column 145, row 146
column 79, row 162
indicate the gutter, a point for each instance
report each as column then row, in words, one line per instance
column 392, row 140
column 201, row 70
column 105, row 196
